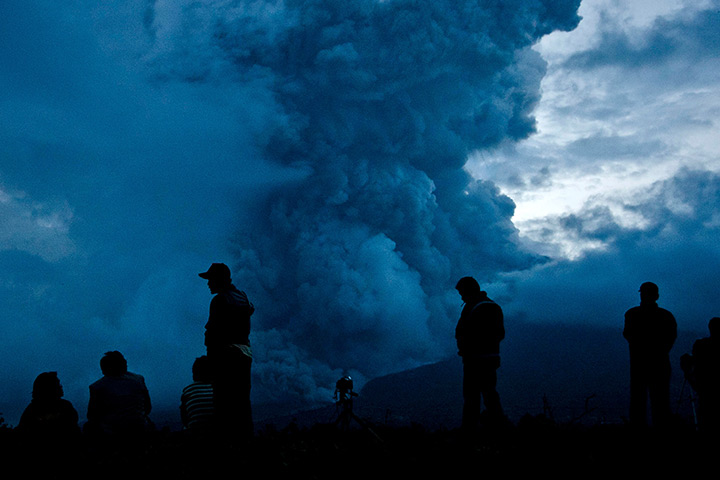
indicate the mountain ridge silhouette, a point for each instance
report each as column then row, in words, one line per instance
column 570, row 373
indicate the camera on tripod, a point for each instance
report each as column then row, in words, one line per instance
column 344, row 405
column 344, row 390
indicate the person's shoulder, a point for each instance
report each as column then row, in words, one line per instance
column 704, row 343
column 68, row 407
column 666, row 315
column 99, row 383
column 220, row 297
column 488, row 303
column 236, row 295
column 134, row 377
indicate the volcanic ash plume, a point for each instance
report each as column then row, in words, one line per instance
column 379, row 103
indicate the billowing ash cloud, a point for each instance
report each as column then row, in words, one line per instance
column 324, row 141
column 381, row 102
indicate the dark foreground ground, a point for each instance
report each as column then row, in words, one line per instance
column 530, row 448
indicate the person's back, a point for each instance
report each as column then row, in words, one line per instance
column 650, row 331
column 48, row 434
column 480, row 328
column 57, row 418
column 119, row 401
column 229, row 321
column 49, row 415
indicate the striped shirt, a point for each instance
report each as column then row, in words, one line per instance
column 196, row 405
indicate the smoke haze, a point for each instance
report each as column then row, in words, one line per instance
column 317, row 147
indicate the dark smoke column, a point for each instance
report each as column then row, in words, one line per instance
column 380, row 102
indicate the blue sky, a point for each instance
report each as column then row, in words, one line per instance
column 349, row 162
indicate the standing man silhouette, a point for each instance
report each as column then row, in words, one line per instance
column 227, row 340
column 479, row 333
column 702, row 370
column 650, row 332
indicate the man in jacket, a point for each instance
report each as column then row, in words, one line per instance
column 119, row 402
column 227, row 340
column 479, row 333
column 650, row 332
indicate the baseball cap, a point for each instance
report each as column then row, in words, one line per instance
column 216, row 270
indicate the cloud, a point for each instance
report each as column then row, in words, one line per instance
column 668, row 40
column 385, row 101
column 35, row 228
column 674, row 246
column 611, row 123
column 316, row 147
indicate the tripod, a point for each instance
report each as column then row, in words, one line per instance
column 344, row 403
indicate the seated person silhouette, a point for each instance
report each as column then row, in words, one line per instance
column 49, row 416
column 119, row 402
column 196, row 400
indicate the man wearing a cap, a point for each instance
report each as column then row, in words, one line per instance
column 227, row 340
column 651, row 332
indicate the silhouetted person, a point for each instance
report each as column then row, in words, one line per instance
column 49, row 416
column 702, row 369
column 227, row 338
column 196, row 401
column 651, row 332
column 48, row 431
column 119, row 402
column 479, row 333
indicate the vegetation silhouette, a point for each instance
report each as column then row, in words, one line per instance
column 536, row 445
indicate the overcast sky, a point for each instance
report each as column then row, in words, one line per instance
column 349, row 161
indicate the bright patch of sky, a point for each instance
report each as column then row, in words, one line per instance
column 624, row 105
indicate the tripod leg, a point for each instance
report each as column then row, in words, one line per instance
column 366, row 427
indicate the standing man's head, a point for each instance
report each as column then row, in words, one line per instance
column 468, row 288
column 218, row 277
column 649, row 292
column 113, row 364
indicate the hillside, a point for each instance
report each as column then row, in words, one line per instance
column 573, row 373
